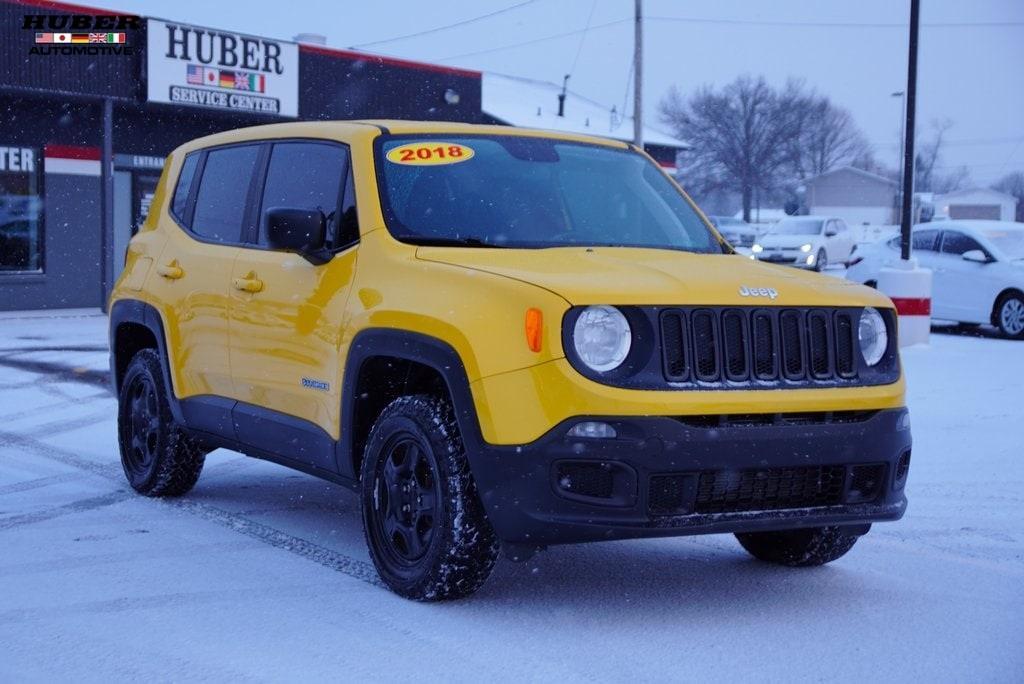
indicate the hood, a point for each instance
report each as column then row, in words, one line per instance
column 787, row 241
column 626, row 275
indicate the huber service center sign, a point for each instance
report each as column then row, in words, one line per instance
column 202, row 67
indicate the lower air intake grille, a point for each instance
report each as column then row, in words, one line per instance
column 667, row 494
column 722, row 491
column 586, row 479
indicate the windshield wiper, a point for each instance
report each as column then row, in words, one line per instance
column 437, row 241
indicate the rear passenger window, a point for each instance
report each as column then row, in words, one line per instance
column 188, row 172
column 221, row 200
column 305, row 176
column 924, row 240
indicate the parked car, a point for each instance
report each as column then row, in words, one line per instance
column 977, row 270
column 501, row 340
column 806, row 242
column 738, row 232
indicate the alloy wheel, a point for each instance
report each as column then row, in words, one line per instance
column 1011, row 316
column 143, row 426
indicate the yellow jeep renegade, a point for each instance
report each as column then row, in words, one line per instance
column 502, row 339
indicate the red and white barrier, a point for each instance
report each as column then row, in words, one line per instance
column 910, row 289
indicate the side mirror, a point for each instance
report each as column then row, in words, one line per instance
column 976, row 255
column 831, row 232
column 297, row 230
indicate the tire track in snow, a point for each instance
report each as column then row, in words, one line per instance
column 328, row 558
column 38, row 483
column 80, row 506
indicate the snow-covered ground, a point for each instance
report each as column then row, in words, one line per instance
column 261, row 573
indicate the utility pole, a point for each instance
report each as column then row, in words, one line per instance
column 906, row 215
column 638, row 53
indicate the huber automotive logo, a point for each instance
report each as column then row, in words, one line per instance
column 80, row 34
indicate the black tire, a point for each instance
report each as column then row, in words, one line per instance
column 426, row 529
column 803, row 548
column 1010, row 315
column 158, row 457
column 821, row 261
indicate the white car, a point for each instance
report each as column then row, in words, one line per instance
column 977, row 270
column 806, row 242
column 740, row 234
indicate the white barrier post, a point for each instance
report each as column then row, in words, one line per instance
column 910, row 288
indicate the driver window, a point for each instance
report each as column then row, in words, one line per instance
column 305, row 175
column 957, row 243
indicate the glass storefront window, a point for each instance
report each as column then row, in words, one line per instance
column 21, row 211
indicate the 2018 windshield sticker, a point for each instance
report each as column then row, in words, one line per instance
column 431, row 153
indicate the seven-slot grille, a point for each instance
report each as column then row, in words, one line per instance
column 744, row 345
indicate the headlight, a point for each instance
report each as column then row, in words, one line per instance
column 805, row 248
column 602, row 337
column 757, row 249
column 872, row 335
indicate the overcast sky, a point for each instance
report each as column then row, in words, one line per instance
column 855, row 52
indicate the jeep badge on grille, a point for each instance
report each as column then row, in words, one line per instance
column 769, row 292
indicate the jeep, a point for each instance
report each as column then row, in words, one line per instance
column 501, row 339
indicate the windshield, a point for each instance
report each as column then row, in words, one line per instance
column 513, row 191
column 797, row 227
column 1009, row 242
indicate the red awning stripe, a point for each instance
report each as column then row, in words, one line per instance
column 71, row 152
column 913, row 306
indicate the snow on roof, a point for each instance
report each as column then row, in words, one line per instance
column 854, row 170
column 534, row 104
column 990, row 192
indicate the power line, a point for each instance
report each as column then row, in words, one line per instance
column 555, row 36
column 583, row 38
column 833, row 24
column 448, row 26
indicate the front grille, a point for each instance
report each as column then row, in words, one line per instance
column 725, row 491
column 667, row 494
column 747, row 345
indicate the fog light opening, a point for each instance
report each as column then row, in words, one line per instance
column 592, row 429
column 902, row 469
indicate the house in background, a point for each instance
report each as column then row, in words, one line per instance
column 854, row 195
column 525, row 102
column 976, row 203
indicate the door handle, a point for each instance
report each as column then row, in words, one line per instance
column 171, row 271
column 249, row 283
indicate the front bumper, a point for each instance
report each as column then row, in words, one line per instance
column 785, row 258
column 664, row 476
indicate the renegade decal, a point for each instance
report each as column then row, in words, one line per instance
column 316, row 384
column 430, row 153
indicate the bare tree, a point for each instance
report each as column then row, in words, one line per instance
column 739, row 135
column 1013, row 184
column 929, row 151
column 828, row 137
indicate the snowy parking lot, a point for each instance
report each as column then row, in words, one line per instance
column 261, row 573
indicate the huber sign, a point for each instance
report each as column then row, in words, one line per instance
column 201, row 67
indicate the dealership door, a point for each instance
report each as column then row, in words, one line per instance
column 135, row 180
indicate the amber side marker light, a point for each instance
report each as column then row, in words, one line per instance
column 534, row 329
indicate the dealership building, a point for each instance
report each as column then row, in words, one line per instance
column 79, row 86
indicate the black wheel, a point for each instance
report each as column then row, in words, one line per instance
column 1010, row 315
column 798, row 548
column 821, row 261
column 425, row 526
column 158, row 458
